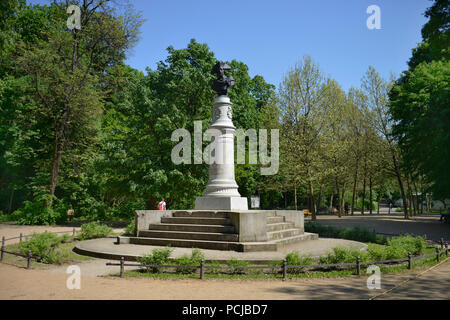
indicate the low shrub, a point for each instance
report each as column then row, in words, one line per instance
column 158, row 256
column 236, row 264
column 131, row 228
column 356, row 233
column 93, row 230
column 342, row 255
column 295, row 259
column 194, row 260
column 45, row 245
column 408, row 243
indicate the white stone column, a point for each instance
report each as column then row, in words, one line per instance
column 222, row 190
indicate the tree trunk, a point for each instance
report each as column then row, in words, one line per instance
column 11, row 197
column 364, row 190
column 311, row 201
column 354, row 190
column 400, row 184
column 330, row 210
column 370, row 194
column 295, row 197
column 319, row 199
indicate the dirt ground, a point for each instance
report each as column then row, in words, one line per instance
column 19, row 283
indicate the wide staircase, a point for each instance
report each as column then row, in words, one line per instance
column 213, row 230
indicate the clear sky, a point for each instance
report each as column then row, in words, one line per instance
column 270, row 36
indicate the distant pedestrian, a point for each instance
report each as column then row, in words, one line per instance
column 346, row 208
column 162, row 204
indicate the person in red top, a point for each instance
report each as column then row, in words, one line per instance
column 162, row 204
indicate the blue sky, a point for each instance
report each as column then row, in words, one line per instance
column 271, row 36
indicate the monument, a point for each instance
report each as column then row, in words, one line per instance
column 222, row 190
column 221, row 219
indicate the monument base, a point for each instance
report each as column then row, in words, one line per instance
column 221, row 203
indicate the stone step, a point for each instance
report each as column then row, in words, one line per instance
column 301, row 237
column 276, row 219
column 280, row 226
column 184, row 243
column 193, row 227
column 282, row 234
column 190, row 235
column 271, row 213
column 199, row 214
column 196, row 220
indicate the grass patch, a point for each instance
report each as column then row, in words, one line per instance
column 356, row 233
column 63, row 253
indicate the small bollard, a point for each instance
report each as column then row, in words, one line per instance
column 438, row 255
column 284, row 270
column 358, row 265
column 202, row 269
column 409, row 261
column 29, row 259
column 21, row 236
column 122, row 266
column 3, row 248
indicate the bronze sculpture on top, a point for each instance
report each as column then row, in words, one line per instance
column 223, row 83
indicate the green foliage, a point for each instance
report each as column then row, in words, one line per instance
column 45, row 245
column 131, row 228
column 38, row 213
column 194, row 260
column 158, row 256
column 94, row 230
column 415, row 245
column 341, row 255
column 356, row 233
column 235, row 263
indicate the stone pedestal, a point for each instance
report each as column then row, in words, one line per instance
column 222, row 190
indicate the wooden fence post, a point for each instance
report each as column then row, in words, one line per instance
column 122, row 267
column 202, row 269
column 358, row 265
column 29, row 259
column 3, row 248
column 284, row 270
column 409, row 261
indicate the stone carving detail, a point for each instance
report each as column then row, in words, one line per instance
column 230, row 113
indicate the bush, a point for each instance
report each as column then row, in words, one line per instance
column 236, row 264
column 93, row 230
column 131, row 228
column 415, row 245
column 158, row 256
column 295, row 259
column 356, row 233
column 342, row 255
column 45, row 245
column 196, row 257
column 37, row 212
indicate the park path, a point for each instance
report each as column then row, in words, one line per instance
column 19, row 283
